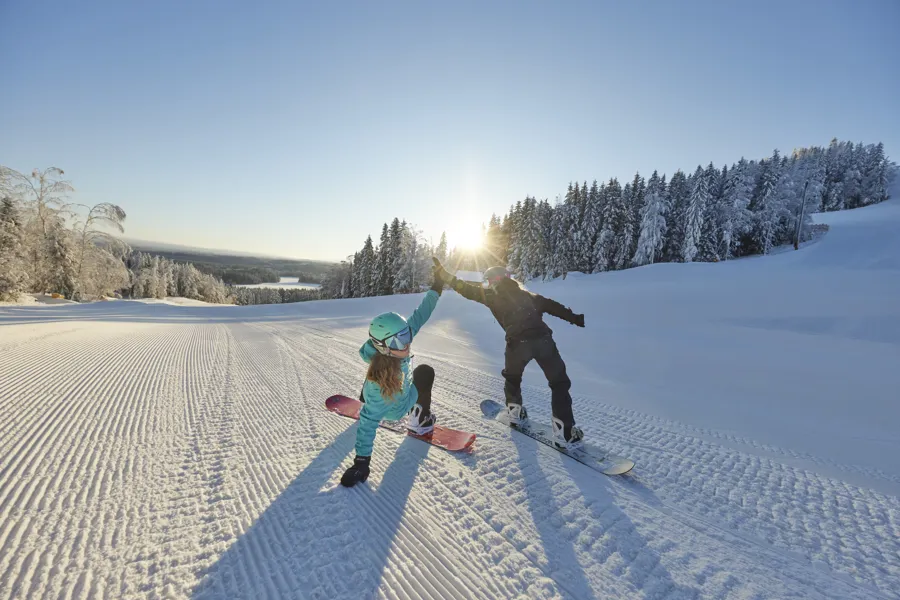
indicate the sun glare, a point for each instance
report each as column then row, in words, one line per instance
column 466, row 238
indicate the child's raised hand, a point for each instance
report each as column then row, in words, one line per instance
column 440, row 272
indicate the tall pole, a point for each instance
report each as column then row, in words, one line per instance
column 800, row 220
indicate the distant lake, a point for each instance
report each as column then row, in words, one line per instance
column 293, row 283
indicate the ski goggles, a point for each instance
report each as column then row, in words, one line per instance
column 398, row 341
column 491, row 282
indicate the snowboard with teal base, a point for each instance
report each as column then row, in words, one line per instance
column 590, row 455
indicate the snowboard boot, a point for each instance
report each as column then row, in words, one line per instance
column 516, row 414
column 418, row 423
column 566, row 437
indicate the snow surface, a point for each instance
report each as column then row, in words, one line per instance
column 157, row 450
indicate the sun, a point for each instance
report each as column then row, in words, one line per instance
column 468, row 238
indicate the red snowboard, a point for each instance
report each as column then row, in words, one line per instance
column 449, row 439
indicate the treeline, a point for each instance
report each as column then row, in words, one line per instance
column 49, row 244
column 237, row 269
column 400, row 263
column 151, row 276
column 711, row 215
column 239, row 275
column 246, row 296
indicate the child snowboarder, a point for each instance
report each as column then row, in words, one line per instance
column 390, row 393
column 520, row 314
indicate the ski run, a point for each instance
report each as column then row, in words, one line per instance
column 157, row 450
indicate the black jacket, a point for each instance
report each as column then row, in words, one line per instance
column 519, row 312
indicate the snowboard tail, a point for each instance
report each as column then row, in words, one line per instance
column 453, row 440
column 593, row 456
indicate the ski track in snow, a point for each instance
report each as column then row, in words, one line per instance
column 166, row 459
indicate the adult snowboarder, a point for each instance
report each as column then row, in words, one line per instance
column 520, row 314
column 390, row 392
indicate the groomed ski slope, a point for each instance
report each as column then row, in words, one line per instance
column 166, row 451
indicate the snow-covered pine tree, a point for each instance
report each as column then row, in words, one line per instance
column 13, row 276
column 853, row 176
column 696, row 211
column 398, row 229
column 441, row 251
column 615, row 236
column 766, row 206
column 518, row 253
column 355, row 283
column 384, row 278
column 540, row 245
column 60, row 262
column 591, row 223
column 162, row 283
column 737, row 191
column 638, row 193
column 368, row 269
column 188, row 281
column 171, row 279
column 712, row 247
column 653, row 222
column 875, row 175
column 561, row 244
column 678, row 196
column 495, row 243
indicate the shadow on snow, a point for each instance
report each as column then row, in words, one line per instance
column 318, row 539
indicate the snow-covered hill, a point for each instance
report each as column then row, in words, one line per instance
column 157, row 450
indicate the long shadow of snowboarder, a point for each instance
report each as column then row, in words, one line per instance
column 611, row 531
column 319, row 543
column 643, row 568
column 565, row 569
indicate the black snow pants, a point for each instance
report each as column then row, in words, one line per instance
column 544, row 351
column 423, row 379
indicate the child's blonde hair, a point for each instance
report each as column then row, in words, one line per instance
column 385, row 371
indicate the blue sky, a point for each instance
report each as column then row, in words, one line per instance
column 297, row 129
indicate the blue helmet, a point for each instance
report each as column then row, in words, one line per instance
column 390, row 331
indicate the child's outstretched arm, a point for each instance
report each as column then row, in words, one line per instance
column 552, row 307
column 429, row 302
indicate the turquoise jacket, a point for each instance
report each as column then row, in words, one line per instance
column 376, row 408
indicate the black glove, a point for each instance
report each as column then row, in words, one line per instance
column 437, row 282
column 578, row 320
column 440, row 271
column 358, row 473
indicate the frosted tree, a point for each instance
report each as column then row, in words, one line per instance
column 563, row 233
column 678, row 196
column 610, row 251
column 736, row 194
column 384, row 277
column 188, row 281
column 653, row 222
column 712, row 247
column 89, row 231
column 368, row 270
column 636, row 202
column 397, row 235
column 591, row 223
column 44, row 198
column 60, row 262
column 171, row 280
column 696, row 209
column 495, row 244
column 13, row 275
column 353, row 290
column 876, row 173
column 766, row 206
column 441, row 251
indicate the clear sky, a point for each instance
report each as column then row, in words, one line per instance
column 297, row 128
